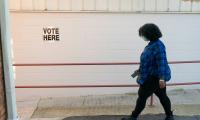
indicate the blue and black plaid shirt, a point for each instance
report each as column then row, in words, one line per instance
column 153, row 61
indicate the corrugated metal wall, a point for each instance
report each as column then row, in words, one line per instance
column 107, row 5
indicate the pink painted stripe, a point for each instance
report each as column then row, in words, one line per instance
column 106, row 63
column 96, row 86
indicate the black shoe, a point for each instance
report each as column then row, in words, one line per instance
column 129, row 118
column 169, row 118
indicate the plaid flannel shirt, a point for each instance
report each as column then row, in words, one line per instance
column 153, row 61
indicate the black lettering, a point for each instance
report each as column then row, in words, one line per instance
column 49, row 37
column 51, row 34
column 57, row 37
column 53, row 37
column 45, row 30
column 53, row 30
column 57, row 31
column 49, row 31
column 45, row 37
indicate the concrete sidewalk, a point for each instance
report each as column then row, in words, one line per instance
column 185, row 103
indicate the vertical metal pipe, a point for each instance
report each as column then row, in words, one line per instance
column 7, row 61
column 151, row 100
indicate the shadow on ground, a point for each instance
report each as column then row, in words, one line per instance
column 143, row 117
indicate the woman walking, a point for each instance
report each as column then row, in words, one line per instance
column 153, row 72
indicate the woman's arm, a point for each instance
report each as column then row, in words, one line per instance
column 162, row 64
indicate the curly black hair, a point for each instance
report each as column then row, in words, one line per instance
column 150, row 31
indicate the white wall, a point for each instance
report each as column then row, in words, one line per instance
column 98, row 37
column 107, row 5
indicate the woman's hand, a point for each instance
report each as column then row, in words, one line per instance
column 162, row 84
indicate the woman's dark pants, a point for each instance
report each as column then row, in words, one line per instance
column 149, row 87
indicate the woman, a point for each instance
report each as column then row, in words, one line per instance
column 153, row 72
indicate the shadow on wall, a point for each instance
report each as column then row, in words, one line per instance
column 143, row 117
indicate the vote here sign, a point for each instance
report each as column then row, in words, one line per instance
column 51, row 34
